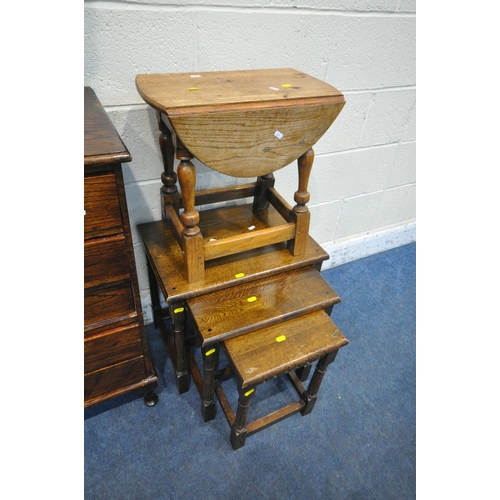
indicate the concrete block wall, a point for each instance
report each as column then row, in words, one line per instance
column 363, row 182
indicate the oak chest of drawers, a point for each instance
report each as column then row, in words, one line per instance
column 117, row 359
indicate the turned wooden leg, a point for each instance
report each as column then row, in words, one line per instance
column 178, row 316
column 194, row 261
column 300, row 214
column 311, row 394
column 210, row 366
column 264, row 182
column 168, row 192
column 238, row 429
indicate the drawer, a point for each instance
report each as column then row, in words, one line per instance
column 105, row 260
column 106, row 303
column 114, row 346
column 102, row 205
column 115, row 378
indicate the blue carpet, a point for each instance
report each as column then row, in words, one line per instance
column 358, row 443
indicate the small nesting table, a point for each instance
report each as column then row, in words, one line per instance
column 280, row 349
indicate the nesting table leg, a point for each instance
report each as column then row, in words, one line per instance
column 311, row 394
column 238, row 429
column 178, row 316
column 177, row 347
column 210, row 366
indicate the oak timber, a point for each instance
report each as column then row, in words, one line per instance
column 244, row 308
column 244, row 123
column 258, row 356
column 167, row 259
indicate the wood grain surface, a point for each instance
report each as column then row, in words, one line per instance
column 259, row 356
column 253, row 142
column 252, row 306
column 185, row 93
column 102, row 144
column 167, row 258
column 244, row 123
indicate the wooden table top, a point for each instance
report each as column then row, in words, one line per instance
column 244, row 123
column 102, row 144
column 186, row 93
column 227, row 313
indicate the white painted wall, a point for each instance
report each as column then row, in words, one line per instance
column 363, row 180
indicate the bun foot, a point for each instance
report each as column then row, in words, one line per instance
column 150, row 399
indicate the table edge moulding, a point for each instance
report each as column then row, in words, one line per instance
column 116, row 355
column 243, row 124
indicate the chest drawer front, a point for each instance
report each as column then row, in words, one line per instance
column 112, row 347
column 110, row 302
column 102, row 205
column 114, row 378
column 105, row 261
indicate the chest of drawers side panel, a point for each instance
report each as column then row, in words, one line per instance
column 118, row 360
column 116, row 353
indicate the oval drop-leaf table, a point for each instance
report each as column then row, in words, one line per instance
column 243, row 124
